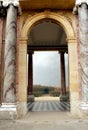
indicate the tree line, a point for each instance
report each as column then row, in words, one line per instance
column 39, row 90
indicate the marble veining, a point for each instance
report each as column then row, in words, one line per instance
column 10, row 56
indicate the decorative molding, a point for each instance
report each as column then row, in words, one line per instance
column 67, row 16
column 6, row 3
column 71, row 40
column 53, row 16
column 84, row 105
column 79, row 2
column 8, row 111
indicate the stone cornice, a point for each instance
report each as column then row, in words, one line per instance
column 6, row 3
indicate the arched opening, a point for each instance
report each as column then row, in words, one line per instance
column 72, row 56
column 47, row 35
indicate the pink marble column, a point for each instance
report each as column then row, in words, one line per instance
column 1, row 33
column 81, row 9
column 63, row 82
column 83, row 37
column 9, row 90
column 30, row 73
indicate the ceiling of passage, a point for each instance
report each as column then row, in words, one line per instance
column 47, row 34
column 50, row 4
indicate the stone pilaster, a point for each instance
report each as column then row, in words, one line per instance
column 17, row 56
column 81, row 8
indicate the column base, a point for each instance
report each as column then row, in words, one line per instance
column 78, row 109
column 84, row 106
column 84, row 109
column 30, row 98
column 8, row 111
column 64, row 98
column 21, row 109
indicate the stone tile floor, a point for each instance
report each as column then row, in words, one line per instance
column 46, row 120
column 48, row 106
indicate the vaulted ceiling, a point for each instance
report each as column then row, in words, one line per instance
column 42, row 4
column 47, row 34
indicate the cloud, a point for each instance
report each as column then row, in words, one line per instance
column 46, row 68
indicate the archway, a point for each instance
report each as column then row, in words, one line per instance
column 72, row 52
column 47, row 35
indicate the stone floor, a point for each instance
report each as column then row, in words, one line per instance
column 45, row 121
column 54, row 105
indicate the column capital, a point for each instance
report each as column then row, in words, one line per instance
column 15, row 3
column 71, row 40
column 61, row 52
column 30, row 51
column 78, row 3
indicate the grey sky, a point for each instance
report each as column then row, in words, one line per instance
column 46, row 68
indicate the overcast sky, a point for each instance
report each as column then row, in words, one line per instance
column 46, row 68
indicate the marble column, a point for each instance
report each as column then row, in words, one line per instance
column 1, row 33
column 62, row 66
column 9, row 90
column 83, row 37
column 30, row 73
column 81, row 9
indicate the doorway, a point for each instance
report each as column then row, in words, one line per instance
column 72, row 56
column 47, row 36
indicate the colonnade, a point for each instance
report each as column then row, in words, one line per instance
column 62, row 69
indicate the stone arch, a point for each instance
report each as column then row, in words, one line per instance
column 61, row 20
column 73, row 60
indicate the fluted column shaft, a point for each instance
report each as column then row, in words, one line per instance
column 30, row 74
column 63, row 82
column 9, row 91
column 83, row 37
